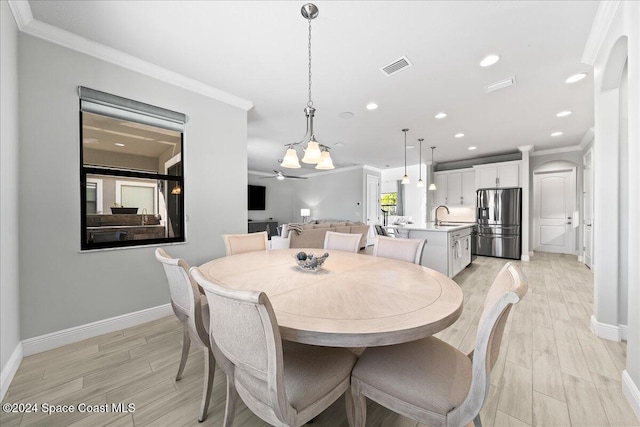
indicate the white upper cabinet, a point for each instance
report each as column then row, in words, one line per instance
column 441, row 182
column 468, row 188
column 506, row 174
column 456, row 187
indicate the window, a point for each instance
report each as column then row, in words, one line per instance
column 389, row 203
column 131, row 172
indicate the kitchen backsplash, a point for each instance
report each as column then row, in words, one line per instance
column 466, row 214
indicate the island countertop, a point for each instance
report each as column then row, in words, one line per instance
column 431, row 226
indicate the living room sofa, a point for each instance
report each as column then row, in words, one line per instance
column 311, row 235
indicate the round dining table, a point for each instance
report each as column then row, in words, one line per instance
column 353, row 300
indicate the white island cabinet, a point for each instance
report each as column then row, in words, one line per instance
column 447, row 248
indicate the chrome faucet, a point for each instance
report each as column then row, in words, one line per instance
column 144, row 216
column 441, row 206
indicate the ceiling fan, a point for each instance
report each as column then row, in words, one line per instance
column 280, row 176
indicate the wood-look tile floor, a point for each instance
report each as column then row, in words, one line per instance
column 551, row 372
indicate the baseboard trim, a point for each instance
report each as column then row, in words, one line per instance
column 607, row 331
column 10, row 369
column 78, row 333
column 631, row 391
column 524, row 257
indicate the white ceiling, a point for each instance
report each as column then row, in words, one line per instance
column 258, row 51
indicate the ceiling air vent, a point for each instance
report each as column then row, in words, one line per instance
column 396, row 66
column 501, row 84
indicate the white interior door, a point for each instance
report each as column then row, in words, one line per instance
column 588, row 211
column 554, row 203
column 373, row 206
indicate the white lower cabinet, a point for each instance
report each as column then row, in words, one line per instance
column 446, row 252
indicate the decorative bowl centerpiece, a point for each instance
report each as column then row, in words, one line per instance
column 310, row 262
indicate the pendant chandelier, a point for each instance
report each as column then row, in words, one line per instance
column 315, row 153
column 405, row 178
column 420, row 181
column 432, row 186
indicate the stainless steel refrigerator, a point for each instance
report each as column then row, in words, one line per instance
column 499, row 215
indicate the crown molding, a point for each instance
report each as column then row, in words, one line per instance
column 587, row 138
column 556, row 151
column 601, row 23
column 21, row 12
column 24, row 19
column 525, row 148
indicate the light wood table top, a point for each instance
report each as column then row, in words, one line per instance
column 354, row 300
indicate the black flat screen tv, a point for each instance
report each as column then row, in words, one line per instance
column 256, row 197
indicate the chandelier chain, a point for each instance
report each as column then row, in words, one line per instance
column 310, row 102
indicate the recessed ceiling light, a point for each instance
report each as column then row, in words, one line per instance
column 90, row 141
column 119, row 144
column 472, row 148
column 410, row 147
column 576, row 78
column 556, row 134
column 339, row 144
column 372, row 106
column 564, row 113
column 489, row 60
column 346, row 115
column 441, row 115
column 458, row 135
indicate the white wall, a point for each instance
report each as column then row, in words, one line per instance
column 9, row 243
column 415, row 199
column 337, row 194
column 61, row 287
column 278, row 200
column 614, row 39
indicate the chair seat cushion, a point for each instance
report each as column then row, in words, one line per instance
column 310, row 372
column 427, row 373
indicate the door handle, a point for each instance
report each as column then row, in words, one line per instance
column 569, row 223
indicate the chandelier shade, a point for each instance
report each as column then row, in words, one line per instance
column 326, row 163
column 312, row 154
column 291, row 159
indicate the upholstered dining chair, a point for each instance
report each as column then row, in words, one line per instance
column 192, row 309
column 284, row 383
column 430, row 381
column 250, row 242
column 342, row 241
column 409, row 250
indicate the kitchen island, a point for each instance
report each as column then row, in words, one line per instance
column 447, row 247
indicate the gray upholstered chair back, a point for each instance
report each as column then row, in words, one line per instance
column 508, row 288
column 409, row 250
column 246, row 331
column 241, row 243
column 184, row 292
column 342, row 241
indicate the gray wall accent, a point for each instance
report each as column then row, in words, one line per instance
column 332, row 195
column 9, row 243
column 61, row 287
column 463, row 164
column 278, row 200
